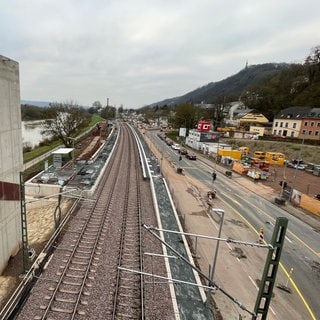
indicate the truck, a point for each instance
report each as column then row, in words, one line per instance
column 234, row 154
column 275, row 158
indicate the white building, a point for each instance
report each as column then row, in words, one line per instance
column 205, row 142
column 11, row 160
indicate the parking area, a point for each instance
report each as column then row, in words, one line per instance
column 302, row 180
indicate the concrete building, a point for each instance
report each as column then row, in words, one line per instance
column 11, row 160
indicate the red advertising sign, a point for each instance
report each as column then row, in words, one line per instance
column 9, row 191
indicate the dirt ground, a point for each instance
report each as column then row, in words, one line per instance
column 303, row 181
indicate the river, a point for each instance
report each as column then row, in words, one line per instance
column 31, row 133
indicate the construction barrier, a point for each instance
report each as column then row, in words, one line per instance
column 261, row 235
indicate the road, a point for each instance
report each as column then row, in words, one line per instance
column 301, row 248
column 301, row 252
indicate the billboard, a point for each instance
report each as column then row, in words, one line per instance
column 182, row 132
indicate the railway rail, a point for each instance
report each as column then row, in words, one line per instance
column 82, row 280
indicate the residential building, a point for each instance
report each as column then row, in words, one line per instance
column 264, row 129
column 287, row 123
column 310, row 125
column 251, row 118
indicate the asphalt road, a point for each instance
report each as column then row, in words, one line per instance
column 300, row 260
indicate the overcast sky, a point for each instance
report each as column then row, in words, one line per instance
column 136, row 52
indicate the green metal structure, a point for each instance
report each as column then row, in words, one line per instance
column 24, row 230
column 270, row 269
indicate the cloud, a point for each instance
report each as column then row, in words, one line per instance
column 140, row 52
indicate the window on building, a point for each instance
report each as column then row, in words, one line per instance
column 294, row 125
column 305, row 123
column 281, row 124
column 316, row 133
column 276, row 124
column 303, row 131
column 292, row 134
column 274, row 132
column 286, row 125
column 280, row 132
column 312, row 124
column 310, row 132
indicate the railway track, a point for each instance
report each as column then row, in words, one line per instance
column 82, row 280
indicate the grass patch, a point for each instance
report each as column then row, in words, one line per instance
column 51, row 144
column 47, row 146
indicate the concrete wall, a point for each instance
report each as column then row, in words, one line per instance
column 11, row 159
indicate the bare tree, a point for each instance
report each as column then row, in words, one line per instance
column 63, row 120
column 313, row 63
column 187, row 115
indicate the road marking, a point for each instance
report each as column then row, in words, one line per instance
column 272, row 310
column 271, row 218
column 272, row 224
column 231, row 199
column 253, row 282
column 288, row 239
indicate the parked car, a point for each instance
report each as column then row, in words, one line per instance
column 191, row 156
column 299, row 166
column 169, row 142
column 175, row 146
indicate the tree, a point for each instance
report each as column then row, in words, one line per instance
column 97, row 104
column 187, row 115
column 120, row 110
column 217, row 113
column 95, row 108
column 108, row 112
column 313, row 64
column 30, row 112
column 63, row 120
